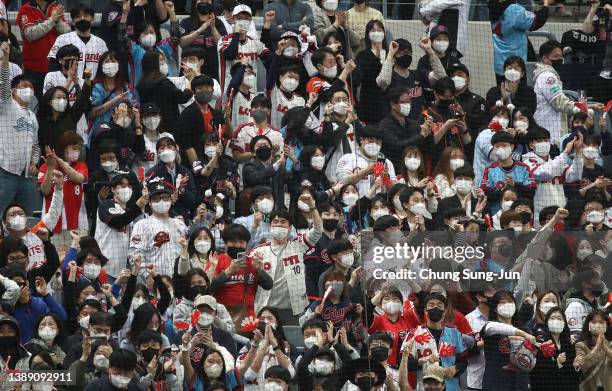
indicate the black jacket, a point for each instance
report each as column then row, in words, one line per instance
column 186, row 202
column 449, row 203
column 476, row 116
column 255, row 172
column 167, row 97
column 104, row 384
column 524, row 97
column 397, row 137
column 191, row 125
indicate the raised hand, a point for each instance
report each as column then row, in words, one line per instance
column 41, row 286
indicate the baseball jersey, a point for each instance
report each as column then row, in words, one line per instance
column 36, row 247
column 396, row 330
column 2, row 11
column 245, row 133
column 548, row 86
column 352, row 163
column 149, row 157
column 89, row 53
column 113, row 242
column 281, row 104
column 157, row 242
column 241, row 109
column 252, row 48
column 14, row 70
column 336, row 152
column 57, row 78
column 494, row 177
column 74, row 214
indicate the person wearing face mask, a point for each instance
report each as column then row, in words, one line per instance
column 156, row 238
column 321, row 361
column 466, row 196
column 114, row 217
column 400, row 131
column 228, row 20
column 583, row 298
column 238, row 44
column 329, row 19
column 538, row 311
column 418, row 217
column 440, row 43
column 593, row 352
column 360, row 169
column 11, row 351
column 122, row 364
column 284, row 94
column 506, row 171
column 65, row 98
column 594, row 214
column 95, row 365
column 430, row 339
column 513, row 89
column 277, row 378
column 312, row 162
column 257, row 217
column 497, row 333
column 196, row 252
column 552, row 104
column 241, row 91
column 49, row 333
column 545, row 170
column 287, row 295
column 150, row 368
column 146, row 38
column 90, row 45
column 154, row 86
column 471, row 103
column 593, row 174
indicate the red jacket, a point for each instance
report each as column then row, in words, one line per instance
column 35, row 52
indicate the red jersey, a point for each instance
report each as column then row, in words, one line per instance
column 35, row 52
column 414, row 320
column 397, row 330
column 236, row 291
column 74, row 214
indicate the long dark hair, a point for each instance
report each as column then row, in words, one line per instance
column 59, row 338
column 45, row 111
column 142, row 317
column 150, row 67
column 191, row 246
column 278, row 332
column 586, row 336
column 369, row 26
column 564, row 337
column 494, row 302
column 119, row 77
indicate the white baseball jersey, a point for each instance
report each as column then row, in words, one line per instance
column 14, row 69
column 335, row 153
column 252, row 48
column 157, row 242
column 149, row 157
column 281, row 105
column 90, row 52
column 57, row 78
column 113, row 242
column 241, row 109
column 3, row 11
column 245, row 133
column 547, row 87
column 352, row 163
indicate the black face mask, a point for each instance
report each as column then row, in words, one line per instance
column 597, row 290
column 556, row 64
column 234, row 251
column 505, row 250
column 204, row 96
column 330, row 224
column 9, row 343
column 148, row 354
column 263, row 153
column 379, row 353
column 194, row 291
column 365, row 383
column 204, row 8
column 404, row 61
column 83, row 25
column 259, row 116
column 435, row 314
column 445, row 103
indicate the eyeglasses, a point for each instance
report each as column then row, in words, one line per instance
column 16, row 259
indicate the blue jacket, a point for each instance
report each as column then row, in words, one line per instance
column 510, row 35
column 27, row 315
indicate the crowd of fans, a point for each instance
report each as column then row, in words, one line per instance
column 191, row 202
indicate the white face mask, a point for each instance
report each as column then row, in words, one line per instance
column 101, row 362
column 289, row 84
column 405, row 109
column 503, row 153
column 163, row 69
column 597, row 328
column 590, row 152
column 506, row 310
column 119, row 381
column 137, row 302
column 304, row 207
column 506, row 205
column 440, row 46
column 340, row 108
column 545, row 307
column 124, row 194
column 213, row 371
column 47, row 334
column 541, row 149
column 91, row 270
column 330, row 5
column 210, row 151
column 265, row 205
column 584, row 252
column 378, row 213
column 124, row 122
column 244, row 25
column 459, row 82
column 412, row 163
column 290, row 52
column 317, row 162
column 419, row 209
column 25, row 94
column 167, row 155
column 279, row 233
column 250, row 81
column 273, row 386
column 347, row 260
column 595, row 217
column 202, row 246
column 72, row 156
column 521, row 125
column 310, row 341
column 109, row 166
column 84, row 322
column 59, row 105
column 148, row 40
column 556, row 326
column 512, row 74
column 456, row 163
column 350, row 199
column 330, row 73
column 161, row 206
column 205, row 319
column 463, row 186
column 392, row 307
column 195, row 66
column 17, row 223
column 321, row 367
column 376, row 36
column 151, row 122
column 503, row 121
column 219, row 211
column 110, row 69
column 371, row 149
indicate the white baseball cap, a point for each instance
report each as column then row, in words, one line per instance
column 242, row 8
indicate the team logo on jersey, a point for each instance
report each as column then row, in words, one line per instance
column 24, row 19
column 267, row 266
column 446, row 350
column 504, row 345
column 136, row 239
column 23, row 125
column 112, row 16
column 551, row 80
column 161, row 238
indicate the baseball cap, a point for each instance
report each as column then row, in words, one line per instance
column 437, row 31
column 149, row 108
column 242, row 8
column 158, row 185
column 433, row 371
column 205, row 300
column 458, row 67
